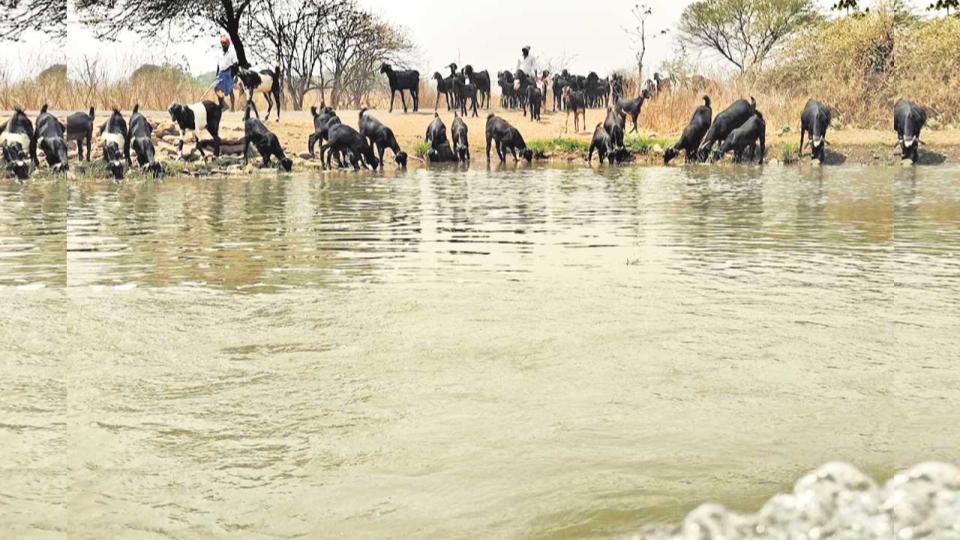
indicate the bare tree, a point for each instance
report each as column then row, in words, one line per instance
column 47, row 16
column 380, row 43
column 292, row 35
column 638, row 33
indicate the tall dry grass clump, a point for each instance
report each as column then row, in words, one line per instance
column 847, row 63
column 928, row 67
column 153, row 87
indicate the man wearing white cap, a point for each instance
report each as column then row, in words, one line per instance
column 528, row 63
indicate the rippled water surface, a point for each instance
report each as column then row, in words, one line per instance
column 515, row 353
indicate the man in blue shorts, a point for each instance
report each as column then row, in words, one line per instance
column 227, row 67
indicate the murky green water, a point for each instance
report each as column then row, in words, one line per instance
column 518, row 353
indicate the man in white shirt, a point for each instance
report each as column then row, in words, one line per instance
column 528, row 63
column 227, row 66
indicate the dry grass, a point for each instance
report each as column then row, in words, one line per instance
column 857, row 65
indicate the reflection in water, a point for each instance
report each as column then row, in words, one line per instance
column 515, row 352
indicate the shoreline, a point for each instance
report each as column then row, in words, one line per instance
column 850, row 146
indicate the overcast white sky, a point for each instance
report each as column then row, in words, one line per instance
column 488, row 35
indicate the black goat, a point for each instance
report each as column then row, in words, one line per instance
column 815, row 120
column 400, row 81
column 730, row 119
column 692, row 134
column 461, row 144
column 744, row 137
column 80, row 129
column 534, row 101
column 445, row 88
column 140, row 137
column 574, row 102
column 908, row 120
column 436, row 135
column 605, row 146
column 480, row 79
column 508, row 95
column 266, row 82
column 50, row 139
column 380, row 137
column 264, row 140
column 345, row 139
column 506, row 138
column 614, row 124
column 116, row 145
column 560, row 81
column 465, row 91
column 190, row 119
column 632, row 107
column 323, row 120
column 17, row 138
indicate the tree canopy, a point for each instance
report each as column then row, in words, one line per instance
column 47, row 16
column 189, row 18
column 744, row 32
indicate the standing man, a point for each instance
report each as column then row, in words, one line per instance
column 227, row 67
column 528, row 63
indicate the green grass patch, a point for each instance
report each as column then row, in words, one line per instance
column 637, row 144
column 788, row 152
column 558, row 145
column 421, row 149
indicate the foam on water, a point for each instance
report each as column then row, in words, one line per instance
column 838, row 501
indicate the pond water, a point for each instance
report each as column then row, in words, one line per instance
column 529, row 352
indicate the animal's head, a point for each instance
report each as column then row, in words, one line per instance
column 144, row 149
column 462, row 152
column 176, row 111
column 528, row 155
column 385, row 68
column 153, row 168
column 16, row 160
column 113, row 155
column 401, row 159
column 645, row 93
column 374, row 162
column 437, row 76
column 286, row 163
column 669, row 155
column 56, row 151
